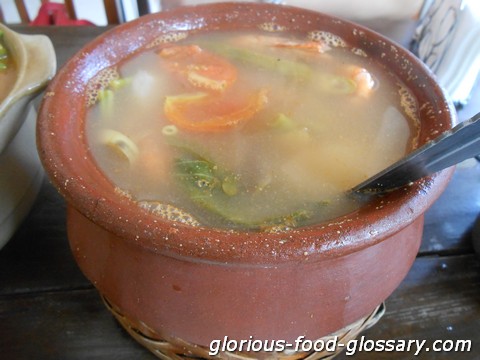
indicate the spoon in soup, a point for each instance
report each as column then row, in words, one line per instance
column 460, row 143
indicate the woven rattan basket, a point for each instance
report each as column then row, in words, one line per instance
column 174, row 348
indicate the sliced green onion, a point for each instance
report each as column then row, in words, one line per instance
column 121, row 144
column 283, row 122
column 105, row 98
column 119, row 83
column 230, row 185
column 169, row 130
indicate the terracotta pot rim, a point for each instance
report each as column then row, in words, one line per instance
column 73, row 172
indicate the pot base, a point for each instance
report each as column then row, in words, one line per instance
column 174, row 348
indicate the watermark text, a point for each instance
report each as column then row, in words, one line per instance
column 352, row 347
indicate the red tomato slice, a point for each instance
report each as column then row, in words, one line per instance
column 200, row 68
column 212, row 113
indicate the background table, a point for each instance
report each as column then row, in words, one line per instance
column 48, row 310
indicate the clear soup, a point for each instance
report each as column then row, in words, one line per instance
column 254, row 131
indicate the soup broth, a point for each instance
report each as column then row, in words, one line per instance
column 248, row 130
column 7, row 69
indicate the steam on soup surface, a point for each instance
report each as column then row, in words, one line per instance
column 7, row 69
column 248, row 130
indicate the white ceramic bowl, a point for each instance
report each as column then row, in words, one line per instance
column 21, row 173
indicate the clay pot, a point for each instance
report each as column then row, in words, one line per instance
column 21, row 173
column 200, row 284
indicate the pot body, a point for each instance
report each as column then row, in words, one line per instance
column 200, row 284
column 201, row 301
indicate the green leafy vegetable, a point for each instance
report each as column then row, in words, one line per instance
column 4, row 56
column 328, row 83
column 221, row 192
column 283, row 123
column 106, row 95
column 119, row 83
column 106, row 99
column 289, row 68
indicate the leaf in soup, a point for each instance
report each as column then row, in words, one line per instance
column 293, row 69
column 4, row 58
column 221, row 192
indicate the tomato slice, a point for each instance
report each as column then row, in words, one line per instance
column 200, row 68
column 205, row 112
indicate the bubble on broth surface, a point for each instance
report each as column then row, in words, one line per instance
column 277, row 229
column 359, row 52
column 327, row 37
column 123, row 193
column 272, row 27
column 410, row 107
column 169, row 212
column 99, row 82
column 167, row 38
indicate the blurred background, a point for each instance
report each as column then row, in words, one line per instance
column 94, row 10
